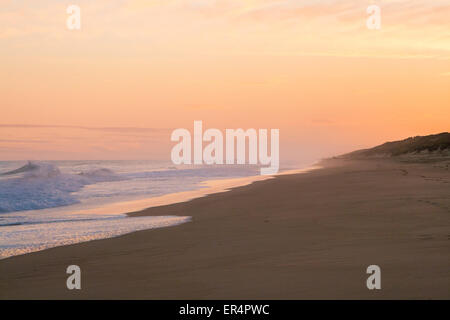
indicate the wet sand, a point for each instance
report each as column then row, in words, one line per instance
column 300, row 236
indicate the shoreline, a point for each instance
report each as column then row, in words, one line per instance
column 295, row 236
column 206, row 187
column 126, row 208
column 211, row 187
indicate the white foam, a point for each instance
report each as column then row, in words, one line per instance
column 45, row 205
column 77, row 201
column 28, row 238
column 40, row 185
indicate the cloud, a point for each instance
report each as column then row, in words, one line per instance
column 110, row 129
column 22, row 141
column 29, row 141
column 413, row 28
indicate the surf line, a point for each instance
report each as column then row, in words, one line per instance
column 213, row 153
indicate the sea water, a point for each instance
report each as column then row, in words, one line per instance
column 54, row 203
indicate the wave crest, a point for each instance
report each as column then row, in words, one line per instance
column 40, row 185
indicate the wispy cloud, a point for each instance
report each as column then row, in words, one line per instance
column 22, row 141
column 414, row 28
column 111, row 129
column 34, row 141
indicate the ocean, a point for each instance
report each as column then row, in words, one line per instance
column 54, row 203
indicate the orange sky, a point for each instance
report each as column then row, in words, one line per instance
column 139, row 68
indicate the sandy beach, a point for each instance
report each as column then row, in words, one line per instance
column 299, row 236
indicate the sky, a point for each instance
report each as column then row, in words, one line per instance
column 138, row 69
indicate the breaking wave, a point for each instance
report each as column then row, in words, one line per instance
column 40, row 185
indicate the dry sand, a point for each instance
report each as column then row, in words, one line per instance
column 299, row 236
